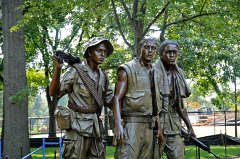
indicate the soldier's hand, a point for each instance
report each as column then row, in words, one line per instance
column 191, row 133
column 118, row 132
column 160, row 136
column 57, row 61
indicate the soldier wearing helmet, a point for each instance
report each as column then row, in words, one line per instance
column 83, row 139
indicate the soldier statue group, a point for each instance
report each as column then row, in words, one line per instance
column 147, row 102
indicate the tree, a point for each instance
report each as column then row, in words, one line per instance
column 15, row 113
column 197, row 25
column 205, row 29
column 134, row 19
column 54, row 17
column 209, row 43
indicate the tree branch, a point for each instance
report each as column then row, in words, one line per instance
column 203, row 6
column 189, row 18
column 162, row 33
column 143, row 4
column 140, row 23
column 119, row 26
column 128, row 13
column 56, row 40
column 156, row 18
column 35, row 43
column 72, row 36
column 47, row 36
column 134, row 12
column 80, row 38
column 79, row 43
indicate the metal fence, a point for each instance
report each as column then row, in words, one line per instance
column 204, row 123
column 43, row 148
column 215, row 122
column 39, row 126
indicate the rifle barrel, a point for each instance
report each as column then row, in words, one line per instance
column 214, row 154
column 197, row 142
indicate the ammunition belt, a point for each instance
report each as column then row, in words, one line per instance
column 81, row 110
column 137, row 119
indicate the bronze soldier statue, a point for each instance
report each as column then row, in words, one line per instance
column 173, row 87
column 133, row 106
column 87, row 88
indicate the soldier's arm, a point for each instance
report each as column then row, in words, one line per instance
column 183, row 114
column 108, row 101
column 55, row 83
column 120, row 91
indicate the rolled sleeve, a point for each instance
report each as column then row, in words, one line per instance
column 66, row 81
column 109, row 97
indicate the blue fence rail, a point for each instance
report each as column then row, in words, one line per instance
column 43, row 147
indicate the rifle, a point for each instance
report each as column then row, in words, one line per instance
column 68, row 58
column 196, row 142
column 71, row 60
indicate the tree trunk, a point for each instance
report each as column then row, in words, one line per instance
column 15, row 122
column 52, row 104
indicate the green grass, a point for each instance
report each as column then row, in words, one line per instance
column 231, row 152
column 190, row 152
column 49, row 153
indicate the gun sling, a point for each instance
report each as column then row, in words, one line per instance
column 154, row 106
column 90, row 86
column 153, row 93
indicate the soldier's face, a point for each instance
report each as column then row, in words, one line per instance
column 170, row 54
column 99, row 54
column 148, row 51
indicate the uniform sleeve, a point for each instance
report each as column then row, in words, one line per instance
column 109, row 97
column 108, row 101
column 66, row 81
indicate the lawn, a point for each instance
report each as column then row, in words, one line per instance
column 190, row 152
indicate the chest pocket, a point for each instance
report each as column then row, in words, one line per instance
column 82, row 89
column 142, row 80
column 134, row 100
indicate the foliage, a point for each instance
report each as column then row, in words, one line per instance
column 35, row 81
column 38, row 106
column 20, row 95
column 35, row 78
column 111, row 63
column 45, row 24
column 207, row 33
column 134, row 19
column 206, row 30
column 1, row 72
column 1, row 104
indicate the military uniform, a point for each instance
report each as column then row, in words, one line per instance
column 136, row 112
column 173, row 87
column 84, row 139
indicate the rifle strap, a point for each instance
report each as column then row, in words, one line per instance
column 106, row 85
column 90, row 85
column 154, row 107
column 153, row 93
